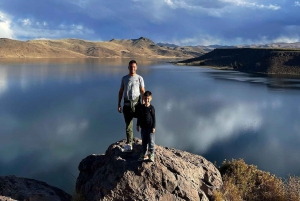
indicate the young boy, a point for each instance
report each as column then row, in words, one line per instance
column 146, row 120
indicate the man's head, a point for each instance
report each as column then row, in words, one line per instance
column 132, row 67
column 147, row 97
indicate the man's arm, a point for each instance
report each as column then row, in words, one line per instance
column 120, row 98
column 138, row 122
column 142, row 88
column 142, row 91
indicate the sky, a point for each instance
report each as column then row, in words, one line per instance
column 181, row 22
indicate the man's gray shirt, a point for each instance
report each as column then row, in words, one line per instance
column 132, row 85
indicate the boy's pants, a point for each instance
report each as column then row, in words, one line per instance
column 148, row 139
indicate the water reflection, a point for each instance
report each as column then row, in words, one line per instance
column 277, row 82
column 54, row 114
column 86, row 61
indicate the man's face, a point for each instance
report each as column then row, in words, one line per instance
column 132, row 68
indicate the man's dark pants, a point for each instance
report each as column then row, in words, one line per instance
column 128, row 116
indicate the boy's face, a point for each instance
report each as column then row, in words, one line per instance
column 147, row 99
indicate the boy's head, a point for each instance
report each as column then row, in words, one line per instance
column 147, row 97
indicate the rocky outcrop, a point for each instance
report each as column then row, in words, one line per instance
column 16, row 188
column 269, row 61
column 175, row 175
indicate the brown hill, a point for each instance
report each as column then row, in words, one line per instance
column 19, row 49
column 270, row 61
column 76, row 48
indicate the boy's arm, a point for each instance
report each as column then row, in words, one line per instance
column 153, row 117
column 138, row 121
column 142, row 91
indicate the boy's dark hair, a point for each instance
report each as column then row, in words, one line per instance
column 147, row 93
column 132, row 62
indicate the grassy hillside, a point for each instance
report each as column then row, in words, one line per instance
column 246, row 182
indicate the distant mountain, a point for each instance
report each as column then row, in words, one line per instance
column 115, row 48
column 270, row 46
column 255, row 60
column 76, row 48
column 166, row 44
column 278, row 45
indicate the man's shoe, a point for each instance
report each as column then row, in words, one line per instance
column 151, row 157
column 143, row 157
column 127, row 148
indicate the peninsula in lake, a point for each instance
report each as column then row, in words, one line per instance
column 254, row 60
column 76, row 48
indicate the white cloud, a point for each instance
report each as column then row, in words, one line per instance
column 297, row 3
column 194, row 6
column 226, row 123
column 286, row 39
column 68, row 130
column 190, row 4
column 5, row 26
column 169, row 2
column 252, row 4
column 31, row 28
column 36, row 29
column 80, row 3
column 25, row 22
column 198, row 40
column 223, row 122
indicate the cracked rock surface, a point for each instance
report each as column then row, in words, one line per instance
column 175, row 175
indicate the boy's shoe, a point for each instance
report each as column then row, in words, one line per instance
column 143, row 157
column 151, row 157
column 127, row 148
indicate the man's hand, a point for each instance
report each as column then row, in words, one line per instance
column 120, row 109
column 153, row 130
column 137, row 128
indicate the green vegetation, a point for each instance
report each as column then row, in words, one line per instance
column 243, row 182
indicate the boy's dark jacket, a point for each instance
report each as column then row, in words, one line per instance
column 146, row 117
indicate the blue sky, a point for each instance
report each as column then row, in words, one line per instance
column 182, row 22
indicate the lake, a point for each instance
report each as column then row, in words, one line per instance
column 55, row 112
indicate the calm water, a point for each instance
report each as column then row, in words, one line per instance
column 53, row 113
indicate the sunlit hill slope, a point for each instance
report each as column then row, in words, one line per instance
column 76, row 48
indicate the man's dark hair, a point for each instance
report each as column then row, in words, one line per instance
column 147, row 93
column 132, row 62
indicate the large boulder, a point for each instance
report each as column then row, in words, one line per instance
column 175, row 175
column 16, row 188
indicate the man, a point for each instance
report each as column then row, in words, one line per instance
column 132, row 86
